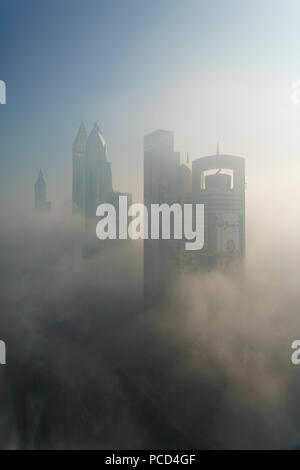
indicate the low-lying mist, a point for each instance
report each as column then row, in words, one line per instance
column 88, row 367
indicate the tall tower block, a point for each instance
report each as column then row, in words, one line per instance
column 98, row 176
column 78, row 170
column 161, row 167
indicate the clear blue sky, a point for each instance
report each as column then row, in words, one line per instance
column 135, row 65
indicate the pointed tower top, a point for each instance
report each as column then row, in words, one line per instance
column 97, row 135
column 41, row 176
column 96, row 127
column 40, row 179
column 218, row 150
column 187, row 157
column 80, row 141
column 81, row 130
column 96, row 146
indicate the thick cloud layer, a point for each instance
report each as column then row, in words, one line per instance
column 87, row 367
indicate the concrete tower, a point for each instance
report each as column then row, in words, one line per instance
column 40, row 194
column 161, row 167
column 98, row 177
column 78, row 167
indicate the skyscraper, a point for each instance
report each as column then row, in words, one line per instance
column 92, row 175
column 98, row 177
column 219, row 184
column 78, row 170
column 161, row 166
column 40, row 194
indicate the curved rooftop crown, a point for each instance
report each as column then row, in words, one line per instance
column 96, row 145
column 219, row 161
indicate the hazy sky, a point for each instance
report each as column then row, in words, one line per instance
column 209, row 70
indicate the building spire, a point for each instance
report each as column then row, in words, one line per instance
column 81, row 129
column 187, row 157
column 78, row 147
column 40, row 177
column 218, row 150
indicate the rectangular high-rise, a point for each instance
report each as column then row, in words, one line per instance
column 161, row 166
column 78, row 170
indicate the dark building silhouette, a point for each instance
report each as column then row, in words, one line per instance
column 40, row 194
column 161, row 257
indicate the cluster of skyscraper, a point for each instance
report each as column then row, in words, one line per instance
column 217, row 181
